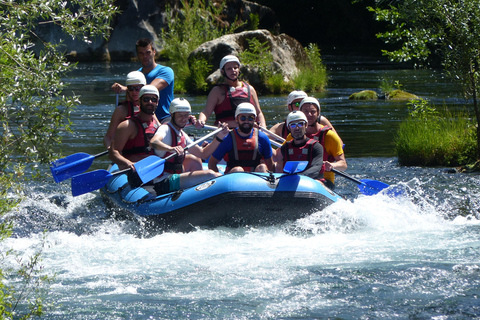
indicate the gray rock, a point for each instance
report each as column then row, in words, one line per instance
column 287, row 53
column 142, row 19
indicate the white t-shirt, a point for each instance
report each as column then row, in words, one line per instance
column 165, row 133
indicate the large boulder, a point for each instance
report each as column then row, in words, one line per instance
column 286, row 51
column 143, row 19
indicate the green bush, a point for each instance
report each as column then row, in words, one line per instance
column 188, row 28
column 312, row 76
column 432, row 138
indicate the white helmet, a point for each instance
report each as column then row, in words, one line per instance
column 135, row 77
column 294, row 95
column 227, row 59
column 296, row 116
column 311, row 100
column 149, row 89
column 245, row 107
column 180, row 105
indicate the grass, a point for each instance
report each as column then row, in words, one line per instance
column 436, row 138
column 312, row 75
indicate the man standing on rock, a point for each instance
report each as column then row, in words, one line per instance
column 161, row 77
column 224, row 98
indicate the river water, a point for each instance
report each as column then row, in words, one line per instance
column 413, row 256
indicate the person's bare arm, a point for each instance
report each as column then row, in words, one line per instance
column 118, row 116
column 212, row 100
column 126, row 130
column 118, row 88
column 212, row 164
column 260, row 116
column 159, row 83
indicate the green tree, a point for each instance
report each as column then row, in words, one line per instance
column 441, row 29
column 188, row 27
column 34, row 112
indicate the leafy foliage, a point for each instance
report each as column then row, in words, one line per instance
column 443, row 29
column 312, row 76
column 430, row 137
column 34, row 112
column 188, row 28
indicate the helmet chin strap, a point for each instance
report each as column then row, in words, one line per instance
column 225, row 75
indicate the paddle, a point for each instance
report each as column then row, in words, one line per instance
column 147, row 169
column 272, row 134
column 367, row 187
column 72, row 165
column 292, row 167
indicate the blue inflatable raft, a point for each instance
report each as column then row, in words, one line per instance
column 232, row 200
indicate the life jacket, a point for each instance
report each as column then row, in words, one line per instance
column 303, row 153
column 244, row 152
column 141, row 143
column 320, row 137
column 175, row 164
column 285, row 131
column 132, row 109
column 225, row 111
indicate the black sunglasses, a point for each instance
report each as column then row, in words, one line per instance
column 245, row 118
column 147, row 99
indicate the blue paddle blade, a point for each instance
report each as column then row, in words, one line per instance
column 90, row 181
column 70, row 166
column 295, row 166
column 370, row 187
column 149, row 168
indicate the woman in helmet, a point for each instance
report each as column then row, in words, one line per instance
column 301, row 148
column 170, row 138
column 223, row 99
column 128, row 108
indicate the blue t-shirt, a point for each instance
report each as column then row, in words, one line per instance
column 264, row 146
column 166, row 95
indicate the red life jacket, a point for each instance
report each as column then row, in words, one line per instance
column 320, row 137
column 303, row 153
column 244, row 152
column 175, row 164
column 141, row 143
column 132, row 109
column 225, row 111
column 285, row 131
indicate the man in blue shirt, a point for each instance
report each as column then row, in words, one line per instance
column 245, row 146
column 161, row 77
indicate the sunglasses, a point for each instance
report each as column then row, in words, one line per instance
column 147, row 99
column 296, row 104
column 245, row 118
column 298, row 124
column 134, row 88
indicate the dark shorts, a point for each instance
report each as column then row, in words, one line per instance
column 167, row 185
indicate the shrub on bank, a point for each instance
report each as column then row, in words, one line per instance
column 435, row 138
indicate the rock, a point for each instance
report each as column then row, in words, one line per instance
column 400, row 95
column 364, row 95
column 392, row 95
column 287, row 53
column 142, row 19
